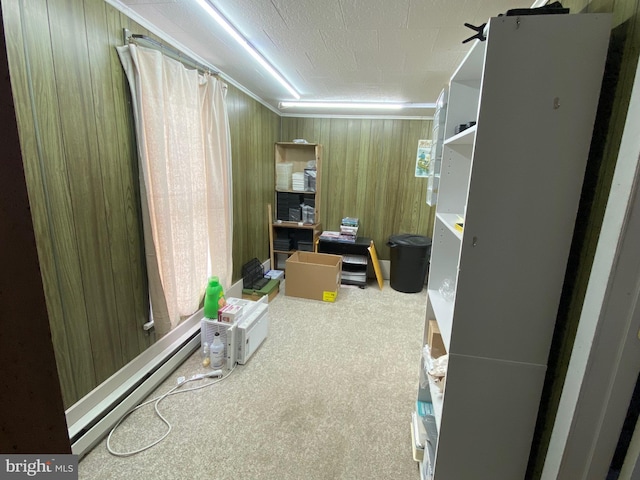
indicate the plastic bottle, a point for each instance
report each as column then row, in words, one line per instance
column 213, row 299
column 206, row 359
column 217, row 352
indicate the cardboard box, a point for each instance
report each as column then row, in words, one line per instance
column 434, row 340
column 234, row 309
column 315, row 276
column 230, row 313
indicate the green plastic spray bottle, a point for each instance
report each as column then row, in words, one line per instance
column 213, row 299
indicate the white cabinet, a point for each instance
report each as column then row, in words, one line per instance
column 437, row 138
column 520, row 116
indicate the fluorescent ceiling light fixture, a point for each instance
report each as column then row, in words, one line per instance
column 357, row 105
column 345, row 105
column 224, row 23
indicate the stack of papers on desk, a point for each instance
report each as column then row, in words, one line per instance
column 337, row 237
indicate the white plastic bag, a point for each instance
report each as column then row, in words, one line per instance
column 435, row 368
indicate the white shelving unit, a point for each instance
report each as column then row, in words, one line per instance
column 515, row 177
column 433, row 180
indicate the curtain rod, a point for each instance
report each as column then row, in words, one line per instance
column 169, row 51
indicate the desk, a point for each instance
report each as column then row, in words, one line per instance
column 355, row 258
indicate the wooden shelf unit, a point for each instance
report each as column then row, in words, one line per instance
column 297, row 157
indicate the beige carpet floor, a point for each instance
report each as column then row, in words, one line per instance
column 328, row 395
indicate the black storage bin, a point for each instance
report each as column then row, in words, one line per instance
column 409, row 261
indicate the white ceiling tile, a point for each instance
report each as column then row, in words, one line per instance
column 368, row 14
column 307, row 13
column 334, row 60
column 412, row 44
column 142, row 2
column 364, row 50
column 350, row 40
column 450, row 39
column 249, row 13
column 440, row 13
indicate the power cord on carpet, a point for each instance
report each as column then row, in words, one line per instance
column 181, row 381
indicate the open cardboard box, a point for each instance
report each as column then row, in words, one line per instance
column 315, row 276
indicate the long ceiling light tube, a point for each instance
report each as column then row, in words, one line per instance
column 353, row 105
column 356, row 105
column 224, row 23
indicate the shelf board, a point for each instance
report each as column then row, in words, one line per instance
column 465, row 137
column 417, row 453
column 443, row 312
column 450, row 219
column 283, row 224
column 309, row 192
column 287, row 252
column 437, row 399
column 296, row 144
column 353, row 283
column 354, row 259
column 470, row 69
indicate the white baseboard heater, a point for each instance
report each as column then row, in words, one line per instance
column 93, row 416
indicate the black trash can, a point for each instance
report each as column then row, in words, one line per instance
column 409, row 261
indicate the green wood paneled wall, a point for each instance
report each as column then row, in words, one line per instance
column 622, row 61
column 368, row 171
column 31, row 398
column 76, row 131
column 254, row 132
column 78, row 149
column 78, row 146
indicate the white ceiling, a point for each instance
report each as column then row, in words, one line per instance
column 329, row 50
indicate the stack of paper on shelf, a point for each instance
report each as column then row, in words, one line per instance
column 337, row 237
column 297, row 181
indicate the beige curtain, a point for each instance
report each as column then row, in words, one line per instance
column 185, row 177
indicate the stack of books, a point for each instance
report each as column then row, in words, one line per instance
column 282, row 244
column 288, row 207
column 305, row 246
column 282, row 241
column 349, row 227
column 337, row 237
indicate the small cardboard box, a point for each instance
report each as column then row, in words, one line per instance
column 315, row 276
column 230, row 313
column 434, row 340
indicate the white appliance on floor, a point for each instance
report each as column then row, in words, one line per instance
column 242, row 337
column 251, row 330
